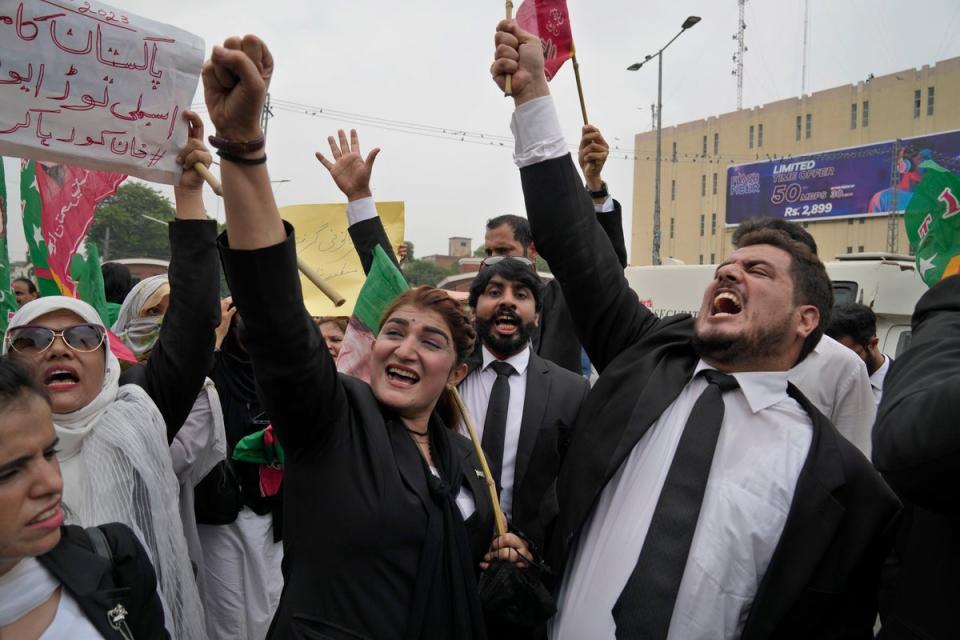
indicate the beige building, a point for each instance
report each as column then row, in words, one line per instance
column 696, row 156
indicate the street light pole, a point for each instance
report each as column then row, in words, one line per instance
column 688, row 23
column 656, row 188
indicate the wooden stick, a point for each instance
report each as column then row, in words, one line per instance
column 499, row 520
column 508, row 84
column 318, row 282
column 576, row 72
column 209, row 178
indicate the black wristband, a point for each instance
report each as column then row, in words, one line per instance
column 229, row 157
column 603, row 193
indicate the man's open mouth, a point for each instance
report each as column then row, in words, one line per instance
column 726, row 303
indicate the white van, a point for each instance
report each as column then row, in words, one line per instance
column 888, row 284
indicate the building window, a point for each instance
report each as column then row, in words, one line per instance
column 799, row 122
column 673, row 189
column 759, row 135
column 713, row 227
column 701, row 258
column 714, row 184
column 713, row 258
column 860, row 249
column 849, row 221
column 703, row 185
column 674, row 157
column 716, row 144
column 703, row 218
column 929, row 101
column 704, row 146
column 853, row 115
column 916, row 103
column 809, row 131
column 862, row 220
column 849, row 249
column 750, row 138
column 865, row 114
column 671, row 228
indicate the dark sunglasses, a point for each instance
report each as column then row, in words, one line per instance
column 33, row 339
column 492, row 260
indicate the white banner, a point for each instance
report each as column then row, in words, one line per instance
column 84, row 83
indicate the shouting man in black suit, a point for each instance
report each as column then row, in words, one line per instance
column 702, row 495
column 524, row 405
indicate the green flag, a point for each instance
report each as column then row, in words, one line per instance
column 85, row 271
column 933, row 223
column 384, row 283
column 32, row 209
column 8, row 302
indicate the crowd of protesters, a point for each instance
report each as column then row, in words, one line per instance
column 714, row 482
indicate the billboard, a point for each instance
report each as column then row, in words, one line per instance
column 853, row 182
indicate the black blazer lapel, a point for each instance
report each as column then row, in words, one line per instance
column 810, row 528
column 409, row 461
column 534, row 411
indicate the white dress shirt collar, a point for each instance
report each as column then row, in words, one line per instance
column 518, row 361
column 762, row 389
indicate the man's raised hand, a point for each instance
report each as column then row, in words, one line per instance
column 348, row 169
column 519, row 54
column 593, row 154
column 195, row 151
column 235, row 82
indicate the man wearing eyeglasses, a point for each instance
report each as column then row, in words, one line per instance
column 509, row 235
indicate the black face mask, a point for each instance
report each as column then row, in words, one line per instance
column 505, row 346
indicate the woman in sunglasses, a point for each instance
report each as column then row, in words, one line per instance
column 54, row 582
column 115, row 427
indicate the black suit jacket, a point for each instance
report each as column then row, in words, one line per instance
column 556, row 339
column 356, row 501
column 822, row 579
column 550, row 408
column 916, row 446
column 179, row 362
column 99, row 587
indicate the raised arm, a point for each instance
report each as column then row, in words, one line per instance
column 606, row 312
column 592, row 155
column 916, row 442
column 183, row 354
column 294, row 371
column 351, row 173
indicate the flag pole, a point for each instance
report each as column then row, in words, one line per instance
column 508, row 84
column 499, row 520
column 318, row 282
column 208, row 177
column 576, row 72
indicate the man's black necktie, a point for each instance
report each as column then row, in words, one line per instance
column 495, row 424
column 645, row 605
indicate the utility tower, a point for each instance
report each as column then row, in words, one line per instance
column 738, row 56
column 806, row 32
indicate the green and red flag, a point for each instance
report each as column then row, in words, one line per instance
column 31, row 209
column 8, row 301
column 932, row 219
column 384, row 283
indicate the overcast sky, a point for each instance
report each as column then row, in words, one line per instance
column 428, row 63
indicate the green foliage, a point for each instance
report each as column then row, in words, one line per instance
column 542, row 265
column 419, row 272
column 132, row 235
column 480, row 252
column 411, row 256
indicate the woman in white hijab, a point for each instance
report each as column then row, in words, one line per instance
column 113, row 454
column 201, row 442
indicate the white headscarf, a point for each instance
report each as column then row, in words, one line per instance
column 116, row 466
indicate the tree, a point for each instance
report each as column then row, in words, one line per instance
column 132, row 233
column 411, row 256
column 418, row 272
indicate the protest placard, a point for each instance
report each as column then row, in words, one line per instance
column 87, row 84
column 323, row 242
